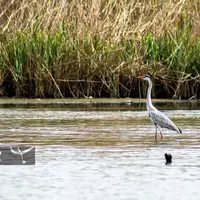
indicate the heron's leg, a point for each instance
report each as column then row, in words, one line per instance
column 155, row 131
column 160, row 132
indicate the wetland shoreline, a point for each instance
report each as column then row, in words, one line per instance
column 66, row 101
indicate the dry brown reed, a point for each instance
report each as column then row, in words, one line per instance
column 112, row 19
column 80, row 48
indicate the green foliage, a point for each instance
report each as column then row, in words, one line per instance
column 43, row 64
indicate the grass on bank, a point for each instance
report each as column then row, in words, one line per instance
column 89, row 48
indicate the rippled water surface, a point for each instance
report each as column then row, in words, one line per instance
column 101, row 151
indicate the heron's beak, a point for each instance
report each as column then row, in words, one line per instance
column 141, row 77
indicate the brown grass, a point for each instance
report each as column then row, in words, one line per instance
column 111, row 19
column 97, row 33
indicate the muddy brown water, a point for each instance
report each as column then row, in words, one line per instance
column 101, row 151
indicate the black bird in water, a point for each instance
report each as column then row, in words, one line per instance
column 168, row 159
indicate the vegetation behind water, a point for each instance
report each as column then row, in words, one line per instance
column 95, row 48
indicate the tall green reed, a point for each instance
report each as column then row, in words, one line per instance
column 59, row 64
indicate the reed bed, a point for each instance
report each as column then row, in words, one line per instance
column 84, row 48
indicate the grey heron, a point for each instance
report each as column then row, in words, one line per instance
column 159, row 119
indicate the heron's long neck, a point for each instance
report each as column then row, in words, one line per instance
column 149, row 103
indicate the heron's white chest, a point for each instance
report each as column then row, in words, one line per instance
column 149, row 115
column 150, row 109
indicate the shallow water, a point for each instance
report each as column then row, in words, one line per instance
column 101, row 151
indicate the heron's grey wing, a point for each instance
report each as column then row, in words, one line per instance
column 162, row 120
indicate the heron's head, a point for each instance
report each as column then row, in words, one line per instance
column 144, row 77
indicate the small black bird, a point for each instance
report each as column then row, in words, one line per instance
column 168, row 159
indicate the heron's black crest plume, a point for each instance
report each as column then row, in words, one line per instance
column 147, row 76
